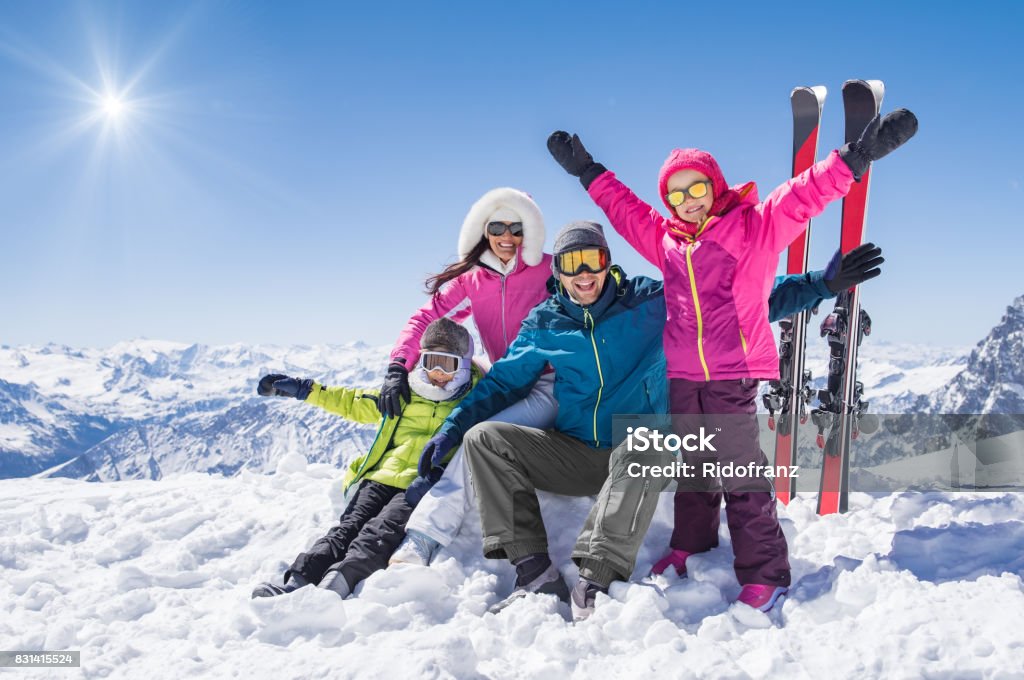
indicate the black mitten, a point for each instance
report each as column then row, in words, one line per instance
column 278, row 385
column 882, row 136
column 574, row 157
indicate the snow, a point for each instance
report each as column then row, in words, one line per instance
column 152, row 579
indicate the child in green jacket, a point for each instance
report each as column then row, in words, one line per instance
column 373, row 524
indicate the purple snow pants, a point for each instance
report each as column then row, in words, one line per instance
column 727, row 408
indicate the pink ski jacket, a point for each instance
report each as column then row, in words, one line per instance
column 498, row 305
column 718, row 275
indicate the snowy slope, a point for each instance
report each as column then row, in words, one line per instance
column 152, row 579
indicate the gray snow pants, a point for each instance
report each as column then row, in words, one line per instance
column 510, row 462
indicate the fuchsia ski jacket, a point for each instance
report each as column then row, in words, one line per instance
column 498, row 305
column 718, row 275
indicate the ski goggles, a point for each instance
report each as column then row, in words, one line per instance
column 440, row 361
column 573, row 262
column 696, row 190
column 499, row 228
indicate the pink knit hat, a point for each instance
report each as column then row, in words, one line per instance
column 704, row 163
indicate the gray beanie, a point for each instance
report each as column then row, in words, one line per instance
column 446, row 335
column 576, row 235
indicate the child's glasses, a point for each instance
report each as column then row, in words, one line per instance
column 440, row 361
column 696, row 190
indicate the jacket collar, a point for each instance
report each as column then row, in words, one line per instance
column 492, row 261
column 613, row 286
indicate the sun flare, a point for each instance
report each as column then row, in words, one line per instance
column 113, row 107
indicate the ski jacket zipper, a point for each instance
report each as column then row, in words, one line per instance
column 597, row 359
column 504, row 330
column 696, row 307
column 696, row 298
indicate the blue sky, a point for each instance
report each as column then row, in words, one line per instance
column 291, row 172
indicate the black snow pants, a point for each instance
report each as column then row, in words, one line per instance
column 368, row 532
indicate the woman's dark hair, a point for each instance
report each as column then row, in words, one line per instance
column 456, row 269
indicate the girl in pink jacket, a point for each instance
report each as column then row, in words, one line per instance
column 501, row 275
column 719, row 250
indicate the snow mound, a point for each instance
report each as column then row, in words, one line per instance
column 153, row 579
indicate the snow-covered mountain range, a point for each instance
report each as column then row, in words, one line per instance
column 144, row 409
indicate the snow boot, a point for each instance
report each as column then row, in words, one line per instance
column 268, row 589
column 417, row 548
column 584, row 593
column 536, row 574
column 335, row 582
column 761, row 597
column 675, row 558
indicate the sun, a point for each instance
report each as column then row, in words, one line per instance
column 113, row 106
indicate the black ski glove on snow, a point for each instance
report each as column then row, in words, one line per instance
column 881, row 137
column 574, row 157
column 278, row 385
column 857, row 266
column 396, row 386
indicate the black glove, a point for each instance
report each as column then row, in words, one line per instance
column 278, row 385
column 421, row 485
column 574, row 157
column 396, row 386
column 434, row 453
column 881, row 137
column 857, row 266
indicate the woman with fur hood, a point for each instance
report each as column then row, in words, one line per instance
column 501, row 274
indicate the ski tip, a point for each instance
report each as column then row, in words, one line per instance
column 877, row 87
column 818, row 91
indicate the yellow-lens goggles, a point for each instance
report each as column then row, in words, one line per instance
column 573, row 262
column 696, row 190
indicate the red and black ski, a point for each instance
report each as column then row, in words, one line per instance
column 839, row 414
column 790, row 394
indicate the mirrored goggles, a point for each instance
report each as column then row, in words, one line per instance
column 499, row 228
column 696, row 190
column 440, row 361
column 573, row 262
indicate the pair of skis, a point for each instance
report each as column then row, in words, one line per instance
column 839, row 415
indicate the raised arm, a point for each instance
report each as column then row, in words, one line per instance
column 640, row 224
column 786, row 211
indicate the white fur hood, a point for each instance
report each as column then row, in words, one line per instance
column 475, row 225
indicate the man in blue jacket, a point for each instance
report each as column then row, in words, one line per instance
column 602, row 334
